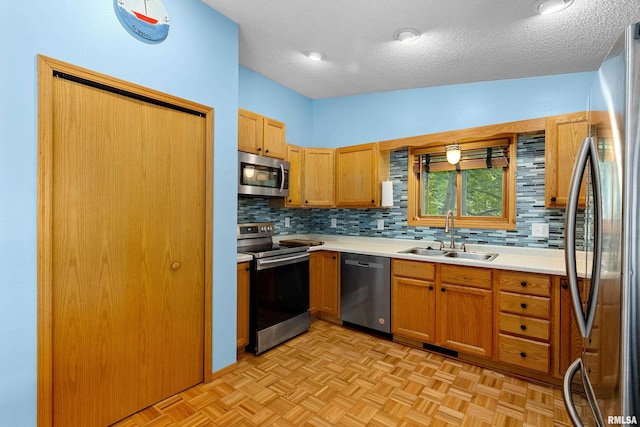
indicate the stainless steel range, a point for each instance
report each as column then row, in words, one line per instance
column 279, row 287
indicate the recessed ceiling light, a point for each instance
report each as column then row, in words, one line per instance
column 545, row 7
column 314, row 55
column 406, row 34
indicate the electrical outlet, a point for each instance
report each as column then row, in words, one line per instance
column 334, row 223
column 381, row 224
column 287, row 222
column 539, row 229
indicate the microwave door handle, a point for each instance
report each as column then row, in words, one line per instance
column 570, row 234
column 597, row 235
column 282, row 175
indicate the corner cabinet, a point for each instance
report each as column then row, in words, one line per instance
column 324, row 283
column 359, row 172
column 242, row 337
column 261, row 135
column 317, row 177
column 563, row 136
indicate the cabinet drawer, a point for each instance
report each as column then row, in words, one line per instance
column 523, row 352
column 525, row 326
column 524, row 304
column 414, row 269
column 525, row 283
column 470, row 276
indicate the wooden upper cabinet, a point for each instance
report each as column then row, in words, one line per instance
column 359, row 172
column 563, row 136
column 274, row 138
column 294, row 157
column 261, row 135
column 317, row 177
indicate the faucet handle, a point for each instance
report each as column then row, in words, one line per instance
column 463, row 247
column 441, row 244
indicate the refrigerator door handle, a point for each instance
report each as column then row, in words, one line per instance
column 566, row 391
column 588, row 389
column 587, row 154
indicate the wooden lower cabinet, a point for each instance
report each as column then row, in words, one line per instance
column 324, row 283
column 465, row 319
column 413, row 300
column 243, row 274
column 450, row 306
column 524, row 320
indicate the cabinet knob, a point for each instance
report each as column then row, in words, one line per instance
column 553, row 198
column 523, row 354
column 523, row 305
column 267, row 151
column 306, row 201
column 176, row 266
column 443, row 289
column 259, row 149
column 247, row 269
column 334, row 257
column 523, row 327
column 289, row 200
column 523, row 284
column 565, row 286
column 373, row 201
column 430, row 287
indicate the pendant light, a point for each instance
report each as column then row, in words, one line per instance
column 453, row 153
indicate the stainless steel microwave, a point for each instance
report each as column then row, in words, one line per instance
column 262, row 176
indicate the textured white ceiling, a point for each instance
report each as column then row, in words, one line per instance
column 463, row 41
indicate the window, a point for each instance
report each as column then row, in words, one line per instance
column 480, row 189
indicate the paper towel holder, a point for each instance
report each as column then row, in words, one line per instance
column 386, row 201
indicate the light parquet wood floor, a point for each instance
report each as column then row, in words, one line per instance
column 333, row 376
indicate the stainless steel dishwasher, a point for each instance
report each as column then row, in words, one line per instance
column 365, row 291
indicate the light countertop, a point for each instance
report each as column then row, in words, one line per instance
column 534, row 260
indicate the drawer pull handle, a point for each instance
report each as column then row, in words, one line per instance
column 523, row 305
column 523, row 354
column 523, row 284
column 523, row 327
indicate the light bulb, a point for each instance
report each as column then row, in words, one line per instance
column 453, row 153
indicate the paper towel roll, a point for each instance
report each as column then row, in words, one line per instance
column 387, row 194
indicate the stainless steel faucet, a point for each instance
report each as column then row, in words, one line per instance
column 446, row 227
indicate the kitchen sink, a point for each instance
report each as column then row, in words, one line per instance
column 423, row 251
column 450, row 254
column 471, row 255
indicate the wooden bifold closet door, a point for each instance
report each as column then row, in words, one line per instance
column 128, row 225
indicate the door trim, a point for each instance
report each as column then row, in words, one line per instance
column 46, row 68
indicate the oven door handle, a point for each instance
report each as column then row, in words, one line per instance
column 272, row 263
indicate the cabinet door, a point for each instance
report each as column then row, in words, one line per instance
column 563, row 136
column 317, row 177
column 250, row 133
column 413, row 305
column 465, row 319
column 331, row 284
column 570, row 339
column 294, row 157
column 274, row 139
column 243, row 305
column 357, row 183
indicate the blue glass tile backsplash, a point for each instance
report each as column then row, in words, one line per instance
column 363, row 222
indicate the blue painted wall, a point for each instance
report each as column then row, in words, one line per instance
column 264, row 96
column 198, row 61
column 359, row 119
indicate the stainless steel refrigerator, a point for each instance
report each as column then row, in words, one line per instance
column 602, row 386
